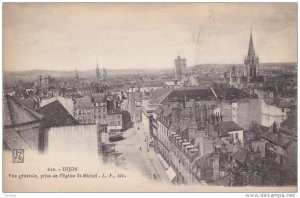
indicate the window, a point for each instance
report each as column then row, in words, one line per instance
column 282, row 110
column 237, row 136
column 79, row 112
column 119, row 123
column 104, row 116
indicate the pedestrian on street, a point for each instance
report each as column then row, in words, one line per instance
column 140, row 149
column 154, row 176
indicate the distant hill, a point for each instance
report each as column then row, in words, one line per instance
column 32, row 74
column 262, row 65
column 86, row 73
column 10, row 77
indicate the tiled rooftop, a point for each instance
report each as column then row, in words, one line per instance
column 83, row 103
column 56, row 115
column 16, row 114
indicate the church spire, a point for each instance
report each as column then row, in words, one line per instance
column 97, row 70
column 251, row 51
column 251, row 62
column 104, row 73
column 76, row 75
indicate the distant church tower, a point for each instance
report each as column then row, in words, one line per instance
column 104, row 73
column 76, row 76
column 97, row 71
column 233, row 76
column 251, row 62
column 180, row 67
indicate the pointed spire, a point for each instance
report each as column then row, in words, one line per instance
column 233, row 69
column 104, row 73
column 97, row 70
column 76, row 74
column 251, row 51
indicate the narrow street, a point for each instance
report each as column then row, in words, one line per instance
column 137, row 157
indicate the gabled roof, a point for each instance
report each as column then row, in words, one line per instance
column 17, row 114
column 188, row 94
column 278, row 139
column 13, row 140
column 159, row 95
column 229, row 126
column 255, row 127
column 98, row 97
column 231, row 94
column 83, row 103
column 56, row 115
column 30, row 102
column 240, row 155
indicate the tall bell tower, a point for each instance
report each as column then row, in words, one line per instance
column 251, row 62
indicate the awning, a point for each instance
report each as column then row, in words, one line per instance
column 171, row 173
column 163, row 161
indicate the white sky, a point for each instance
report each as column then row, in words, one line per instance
column 144, row 36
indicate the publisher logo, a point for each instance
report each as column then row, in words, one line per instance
column 18, row 156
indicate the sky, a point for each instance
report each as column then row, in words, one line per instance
column 144, row 35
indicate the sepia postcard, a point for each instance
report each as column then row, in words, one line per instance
column 149, row 97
